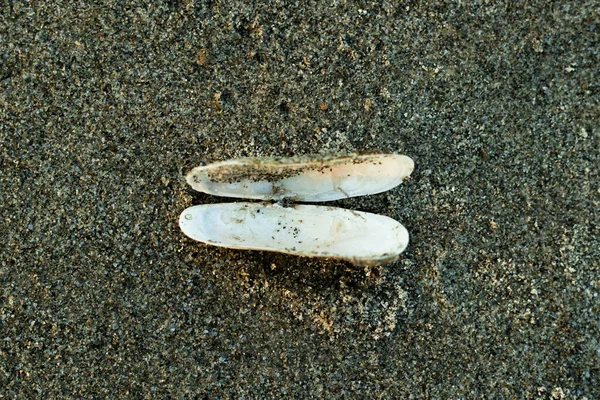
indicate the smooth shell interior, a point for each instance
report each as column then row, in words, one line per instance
column 306, row 230
column 305, row 179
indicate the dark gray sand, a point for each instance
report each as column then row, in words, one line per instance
column 104, row 108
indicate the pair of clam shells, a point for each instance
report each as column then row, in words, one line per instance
column 307, row 230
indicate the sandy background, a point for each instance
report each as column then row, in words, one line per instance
column 105, row 106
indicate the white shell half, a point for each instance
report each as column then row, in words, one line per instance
column 315, row 178
column 305, row 230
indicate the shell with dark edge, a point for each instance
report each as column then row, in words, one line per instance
column 311, row 179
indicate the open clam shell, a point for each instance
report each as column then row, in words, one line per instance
column 314, row 178
column 305, row 230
